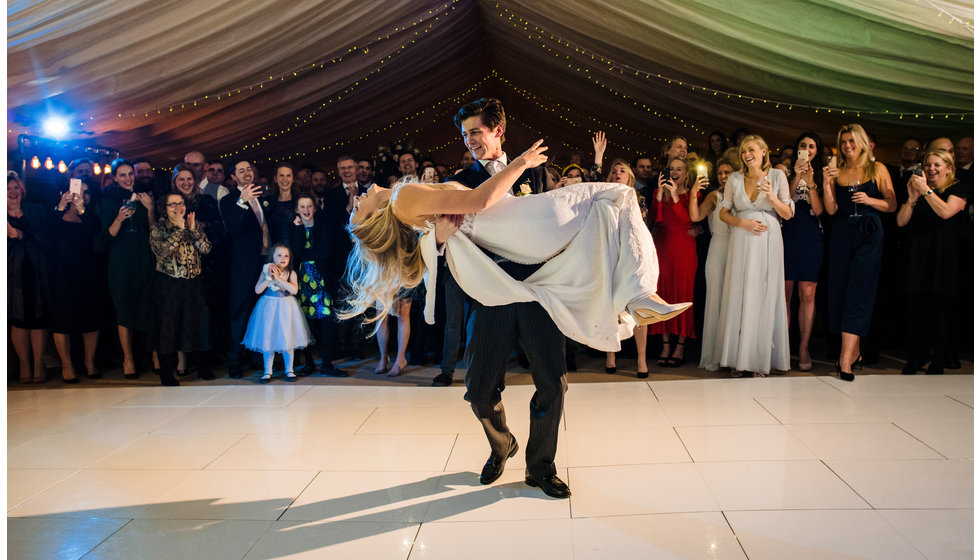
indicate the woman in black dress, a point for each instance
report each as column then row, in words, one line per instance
column 281, row 210
column 27, row 281
column 855, row 193
column 803, row 239
column 180, row 313
column 126, row 217
column 76, row 281
column 930, row 257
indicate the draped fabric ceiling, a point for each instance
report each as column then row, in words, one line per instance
column 308, row 81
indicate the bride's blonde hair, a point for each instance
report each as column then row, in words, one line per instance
column 386, row 257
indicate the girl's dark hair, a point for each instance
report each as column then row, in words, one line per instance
column 117, row 162
column 292, row 256
column 817, row 159
column 305, row 194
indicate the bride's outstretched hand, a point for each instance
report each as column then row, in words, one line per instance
column 534, row 156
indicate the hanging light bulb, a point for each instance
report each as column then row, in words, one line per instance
column 48, row 164
column 35, row 163
column 62, row 167
column 96, row 169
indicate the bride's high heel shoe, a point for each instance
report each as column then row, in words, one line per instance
column 654, row 309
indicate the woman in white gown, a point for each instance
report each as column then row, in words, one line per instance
column 754, row 335
column 598, row 256
column 714, row 268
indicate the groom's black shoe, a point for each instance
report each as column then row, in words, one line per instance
column 552, row 485
column 495, row 466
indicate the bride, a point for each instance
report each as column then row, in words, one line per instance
column 598, row 256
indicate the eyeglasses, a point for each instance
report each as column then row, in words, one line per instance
column 174, row 204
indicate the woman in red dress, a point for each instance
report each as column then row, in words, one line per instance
column 677, row 253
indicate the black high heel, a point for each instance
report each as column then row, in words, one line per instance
column 611, row 369
column 857, row 364
column 844, row 376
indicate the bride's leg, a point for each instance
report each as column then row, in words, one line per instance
column 404, row 331
column 382, row 337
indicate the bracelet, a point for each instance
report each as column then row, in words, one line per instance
column 928, row 192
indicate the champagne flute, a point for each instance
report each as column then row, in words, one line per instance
column 853, row 189
column 131, row 206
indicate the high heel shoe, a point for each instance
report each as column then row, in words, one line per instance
column 857, row 364
column 844, row 376
column 654, row 309
column 610, row 369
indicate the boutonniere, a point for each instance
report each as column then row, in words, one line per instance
column 265, row 203
column 525, row 188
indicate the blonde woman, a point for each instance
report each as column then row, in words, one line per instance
column 755, row 334
column 930, row 257
column 598, row 256
column 856, row 190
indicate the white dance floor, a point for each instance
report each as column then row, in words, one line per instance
column 788, row 468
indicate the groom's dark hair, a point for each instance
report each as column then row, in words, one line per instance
column 490, row 110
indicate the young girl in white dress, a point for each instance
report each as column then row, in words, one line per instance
column 277, row 323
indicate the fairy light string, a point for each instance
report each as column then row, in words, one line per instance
column 626, row 69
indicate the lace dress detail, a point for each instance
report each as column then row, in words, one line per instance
column 467, row 226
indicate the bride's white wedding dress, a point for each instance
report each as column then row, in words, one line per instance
column 598, row 256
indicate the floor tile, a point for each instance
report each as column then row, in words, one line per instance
column 726, row 412
column 892, row 484
column 742, row 443
column 102, row 493
column 788, row 387
column 491, row 540
column 938, row 534
column 256, row 495
column 170, row 451
column 268, row 420
column 591, row 393
column 832, row 409
column 612, row 415
column 341, row 540
column 965, row 398
column 860, row 441
column 64, row 539
column 321, row 396
column 507, row 499
column 639, row 489
column 27, row 423
column 141, row 420
column 166, row 539
column 173, row 396
column 68, row 399
column 719, row 389
column 367, row 497
column 63, row 451
column 24, row 484
column 953, row 441
column 778, row 485
column 446, row 419
column 819, row 535
column 293, row 452
column 656, row 537
column 905, row 385
column 927, row 408
column 426, row 452
column 275, row 396
column 590, row 448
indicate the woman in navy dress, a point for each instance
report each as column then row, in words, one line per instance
column 803, row 238
column 855, row 193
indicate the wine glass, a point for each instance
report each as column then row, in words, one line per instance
column 854, row 189
column 131, row 206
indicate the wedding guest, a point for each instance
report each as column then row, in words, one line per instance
column 75, row 281
column 281, row 210
column 28, row 308
column 126, row 217
column 755, row 336
column 930, row 259
column 803, row 239
column 855, row 192
column 677, row 254
column 180, row 313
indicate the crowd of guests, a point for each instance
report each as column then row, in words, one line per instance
column 210, row 263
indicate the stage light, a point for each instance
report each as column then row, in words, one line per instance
column 35, row 163
column 62, row 167
column 96, row 169
column 55, row 127
column 48, row 164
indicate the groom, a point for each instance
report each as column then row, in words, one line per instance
column 494, row 330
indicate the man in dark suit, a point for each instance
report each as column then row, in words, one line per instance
column 248, row 238
column 495, row 329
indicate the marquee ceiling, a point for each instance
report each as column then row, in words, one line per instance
column 308, row 81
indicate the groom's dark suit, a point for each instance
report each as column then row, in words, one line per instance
column 493, row 332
